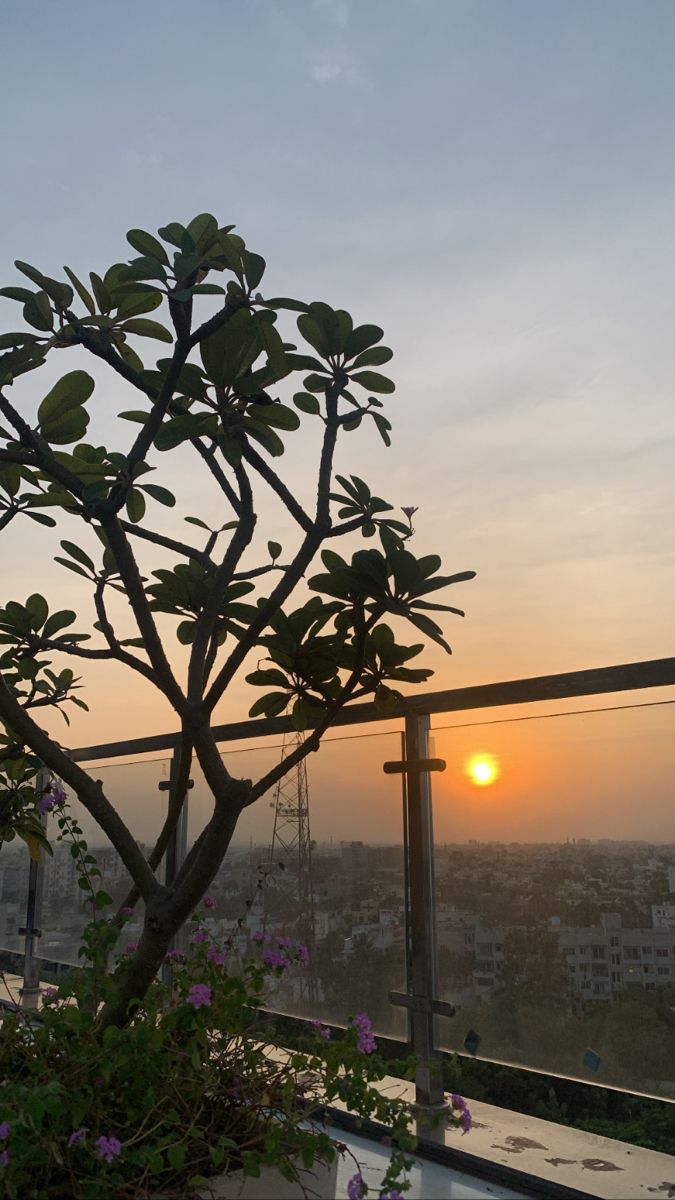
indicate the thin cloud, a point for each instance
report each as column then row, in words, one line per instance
column 337, row 11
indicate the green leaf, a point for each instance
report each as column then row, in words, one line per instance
column 145, row 243
column 145, row 328
column 78, row 554
column 173, row 232
column 185, row 632
column 274, row 346
column 38, row 610
column 61, row 414
column 100, row 292
column 133, row 306
column 176, row 1156
column 199, row 522
column 38, row 313
column 307, row 403
column 202, row 230
column 429, row 627
column 160, row 494
column 81, row 290
column 286, row 302
column 274, row 550
column 278, row 416
column 135, row 506
column 57, row 621
column 313, row 334
column 383, row 427
column 264, row 435
column 374, row 381
column 254, row 268
column 374, row 357
column 269, row 705
column 9, row 340
column 362, row 338
column 66, row 563
column 17, row 293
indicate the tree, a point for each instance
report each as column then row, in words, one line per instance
column 212, row 395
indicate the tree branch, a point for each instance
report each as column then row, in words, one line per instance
column 131, row 577
column 294, row 572
column 118, row 651
column 206, row 621
column 216, row 470
column 167, row 543
column 277, row 485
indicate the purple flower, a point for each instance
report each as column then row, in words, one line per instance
column 126, row 911
column 465, row 1118
column 322, row 1030
column 409, row 511
column 131, row 947
column 216, row 955
column 173, row 956
column 199, row 995
column 58, row 794
column 303, row 954
column 200, row 935
column 259, row 936
column 355, row 1187
column 108, row 1148
column 46, row 803
column 50, row 993
column 77, row 1136
column 208, row 902
column 98, row 1081
column 274, row 958
column 4, row 1158
column 365, row 1042
column 4, row 1130
column 393, row 1195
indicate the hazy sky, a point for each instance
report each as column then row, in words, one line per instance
column 493, row 183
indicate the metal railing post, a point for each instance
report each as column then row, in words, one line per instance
column 177, row 847
column 30, row 990
column 429, row 1082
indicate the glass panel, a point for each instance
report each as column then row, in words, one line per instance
column 134, row 790
column 555, row 882
column 330, row 874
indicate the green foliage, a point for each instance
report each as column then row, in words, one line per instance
column 209, row 1082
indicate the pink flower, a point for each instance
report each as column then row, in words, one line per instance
column 274, row 959
column 199, row 995
column 322, row 1030
column 174, row 956
column 126, row 911
column 208, row 902
column 108, row 1148
column 355, row 1187
column 131, row 947
column 365, row 1042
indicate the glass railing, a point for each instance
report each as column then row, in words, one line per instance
column 133, row 787
column 552, row 892
column 319, row 859
column 555, row 893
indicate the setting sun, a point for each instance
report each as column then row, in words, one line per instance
column 482, row 769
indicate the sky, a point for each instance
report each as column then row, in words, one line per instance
column 492, row 183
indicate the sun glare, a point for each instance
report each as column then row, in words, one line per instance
column 482, row 769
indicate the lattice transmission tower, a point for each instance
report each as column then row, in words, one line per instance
column 292, row 845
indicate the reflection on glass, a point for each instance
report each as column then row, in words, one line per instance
column 555, row 892
column 134, row 790
column 319, row 860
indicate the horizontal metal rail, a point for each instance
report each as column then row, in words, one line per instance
column 596, row 681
